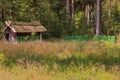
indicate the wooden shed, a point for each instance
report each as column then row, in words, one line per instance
column 14, row 31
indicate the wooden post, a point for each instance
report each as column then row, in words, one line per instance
column 119, row 32
column 40, row 36
column 4, row 39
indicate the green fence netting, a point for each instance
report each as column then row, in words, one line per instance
column 79, row 38
column 111, row 39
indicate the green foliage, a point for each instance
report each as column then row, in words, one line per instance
column 52, row 15
column 111, row 18
column 81, row 25
column 2, row 58
column 5, row 4
column 32, row 37
column 22, row 10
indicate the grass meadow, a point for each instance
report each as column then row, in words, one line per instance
column 60, row 60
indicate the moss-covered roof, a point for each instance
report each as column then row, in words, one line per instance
column 24, row 27
column 34, row 23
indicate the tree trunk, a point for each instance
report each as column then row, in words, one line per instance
column 98, row 24
column 67, row 11
column 87, row 12
column 34, row 6
column 72, row 11
column 34, row 9
column 34, row 2
column 109, row 8
column 94, row 18
column 11, row 11
column 2, row 16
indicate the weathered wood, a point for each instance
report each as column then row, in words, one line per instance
column 12, row 37
column 40, row 36
column 13, row 32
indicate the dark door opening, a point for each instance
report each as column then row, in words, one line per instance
column 7, row 36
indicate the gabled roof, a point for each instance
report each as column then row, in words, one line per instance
column 24, row 27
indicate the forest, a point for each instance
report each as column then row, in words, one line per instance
column 65, row 17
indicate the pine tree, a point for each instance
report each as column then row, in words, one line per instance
column 72, row 11
column 4, row 4
column 67, row 10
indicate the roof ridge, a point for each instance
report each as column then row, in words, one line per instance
column 34, row 23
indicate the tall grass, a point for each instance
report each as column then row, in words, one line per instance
column 40, row 73
column 61, row 60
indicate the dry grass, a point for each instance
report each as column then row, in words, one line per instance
column 48, row 47
column 20, row 73
column 40, row 73
column 100, row 61
column 39, row 47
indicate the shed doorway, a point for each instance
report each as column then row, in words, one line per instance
column 11, row 37
column 7, row 36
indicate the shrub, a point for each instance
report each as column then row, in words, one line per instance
column 2, row 58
